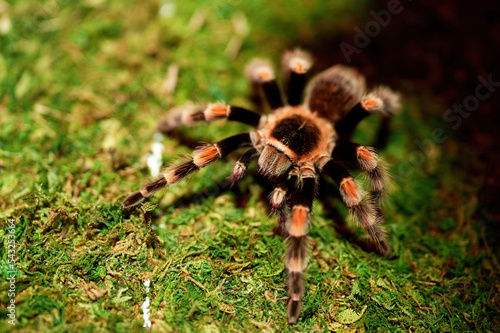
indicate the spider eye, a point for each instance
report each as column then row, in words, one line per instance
column 273, row 163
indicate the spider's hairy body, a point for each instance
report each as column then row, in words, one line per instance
column 294, row 144
column 296, row 132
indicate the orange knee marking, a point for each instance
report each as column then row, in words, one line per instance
column 265, row 75
column 216, row 111
column 367, row 159
column 299, row 67
column 369, row 104
column 365, row 154
column 299, row 219
column 350, row 189
column 206, row 156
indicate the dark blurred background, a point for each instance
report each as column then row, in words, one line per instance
column 438, row 48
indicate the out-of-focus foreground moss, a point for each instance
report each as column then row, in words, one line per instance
column 82, row 87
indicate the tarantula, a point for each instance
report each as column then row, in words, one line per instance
column 293, row 145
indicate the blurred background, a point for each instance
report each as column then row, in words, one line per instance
column 83, row 84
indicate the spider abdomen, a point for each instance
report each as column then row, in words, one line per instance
column 335, row 91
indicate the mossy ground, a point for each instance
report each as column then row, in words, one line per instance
column 81, row 92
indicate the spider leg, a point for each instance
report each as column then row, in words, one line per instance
column 261, row 73
column 255, row 97
column 298, row 227
column 362, row 210
column 189, row 114
column 382, row 133
column 242, row 164
column 284, row 190
column 353, row 155
column 327, row 190
column 295, row 65
column 345, row 127
column 381, row 100
column 278, row 196
column 280, row 207
column 201, row 158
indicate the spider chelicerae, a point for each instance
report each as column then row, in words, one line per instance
column 294, row 144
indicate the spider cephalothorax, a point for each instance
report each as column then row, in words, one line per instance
column 293, row 145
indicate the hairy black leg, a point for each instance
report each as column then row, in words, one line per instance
column 285, row 188
column 282, row 197
column 381, row 100
column 190, row 113
column 327, row 192
column 256, row 97
column 295, row 65
column 345, row 127
column 353, row 155
column 382, row 137
column 260, row 72
column 362, row 210
column 297, row 226
column 242, row 164
column 201, row 158
column 272, row 93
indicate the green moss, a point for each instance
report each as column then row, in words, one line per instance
column 80, row 97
